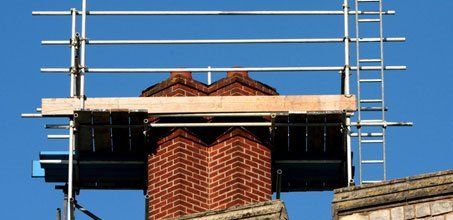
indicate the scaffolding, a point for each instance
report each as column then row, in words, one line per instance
column 359, row 128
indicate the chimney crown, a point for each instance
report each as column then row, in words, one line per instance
column 181, row 74
column 242, row 74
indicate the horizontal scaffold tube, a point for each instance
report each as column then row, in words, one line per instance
column 31, row 115
column 269, row 124
column 251, row 124
column 99, row 162
column 225, row 41
column 245, row 114
column 385, row 124
column 241, row 124
column 58, row 136
column 104, row 13
column 249, row 69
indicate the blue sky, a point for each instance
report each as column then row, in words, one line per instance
column 421, row 94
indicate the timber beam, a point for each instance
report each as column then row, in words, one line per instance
column 60, row 107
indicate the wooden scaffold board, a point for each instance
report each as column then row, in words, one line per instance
column 205, row 104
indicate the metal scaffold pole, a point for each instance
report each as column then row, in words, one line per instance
column 209, row 76
column 83, row 54
column 74, row 45
column 226, row 41
column 70, row 197
column 223, row 69
column 359, row 115
column 382, row 72
column 197, row 13
column 346, row 89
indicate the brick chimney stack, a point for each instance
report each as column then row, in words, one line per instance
column 192, row 170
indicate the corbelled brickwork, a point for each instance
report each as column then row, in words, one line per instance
column 428, row 196
column 178, row 84
column 236, row 83
column 199, row 169
column 239, row 84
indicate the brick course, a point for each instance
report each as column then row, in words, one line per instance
column 199, row 169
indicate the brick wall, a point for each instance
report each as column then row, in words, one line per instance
column 198, row 169
column 239, row 169
column 178, row 176
column 428, row 196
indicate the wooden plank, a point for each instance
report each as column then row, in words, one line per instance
column 335, row 136
column 84, row 141
column 315, row 134
column 102, row 141
column 297, row 135
column 120, row 135
column 206, row 104
column 138, row 138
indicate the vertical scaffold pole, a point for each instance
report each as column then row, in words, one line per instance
column 58, row 214
column 346, row 88
column 147, row 207
column 70, row 197
column 73, row 54
column 83, row 54
column 347, row 62
column 384, row 128
column 209, row 76
column 359, row 86
column 65, row 205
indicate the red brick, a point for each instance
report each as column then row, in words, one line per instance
column 188, row 175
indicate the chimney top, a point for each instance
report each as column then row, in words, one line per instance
column 181, row 74
column 242, row 74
